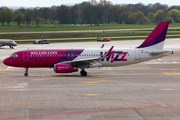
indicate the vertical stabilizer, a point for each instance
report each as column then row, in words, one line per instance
column 157, row 37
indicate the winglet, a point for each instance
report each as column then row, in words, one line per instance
column 109, row 52
column 102, row 46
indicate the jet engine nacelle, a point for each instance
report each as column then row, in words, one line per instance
column 64, row 68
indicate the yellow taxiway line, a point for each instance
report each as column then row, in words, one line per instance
column 38, row 79
column 171, row 73
column 7, row 69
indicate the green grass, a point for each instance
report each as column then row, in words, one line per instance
column 58, row 27
column 47, row 27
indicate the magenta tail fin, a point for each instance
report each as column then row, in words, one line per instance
column 157, row 36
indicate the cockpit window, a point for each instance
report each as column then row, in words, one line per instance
column 13, row 55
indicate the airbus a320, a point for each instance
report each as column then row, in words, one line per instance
column 70, row 60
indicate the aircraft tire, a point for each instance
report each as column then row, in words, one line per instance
column 26, row 74
column 83, row 73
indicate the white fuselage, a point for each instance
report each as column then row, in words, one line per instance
column 7, row 43
column 120, row 57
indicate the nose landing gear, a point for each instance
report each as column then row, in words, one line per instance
column 26, row 72
column 11, row 47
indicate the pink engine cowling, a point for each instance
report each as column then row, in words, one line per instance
column 64, row 68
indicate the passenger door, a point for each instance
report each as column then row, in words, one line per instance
column 25, row 55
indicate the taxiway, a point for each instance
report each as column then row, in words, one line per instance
column 147, row 91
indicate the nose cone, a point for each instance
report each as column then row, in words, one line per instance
column 6, row 61
column 15, row 44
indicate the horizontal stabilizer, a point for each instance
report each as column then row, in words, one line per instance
column 160, row 53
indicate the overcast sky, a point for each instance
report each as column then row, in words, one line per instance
column 49, row 3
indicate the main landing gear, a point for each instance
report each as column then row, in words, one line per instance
column 26, row 72
column 83, row 72
column 11, row 47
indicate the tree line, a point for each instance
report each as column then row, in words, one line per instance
column 93, row 12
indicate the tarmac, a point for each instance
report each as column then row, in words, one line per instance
column 144, row 91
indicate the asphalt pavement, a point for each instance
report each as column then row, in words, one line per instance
column 147, row 91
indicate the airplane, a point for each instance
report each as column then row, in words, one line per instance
column 9, row 43
column 70, row 60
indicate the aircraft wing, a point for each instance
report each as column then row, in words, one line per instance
column 2, row 45
column 94, row 62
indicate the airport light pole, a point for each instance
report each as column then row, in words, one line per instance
column 42, row 28
column 103, row 27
